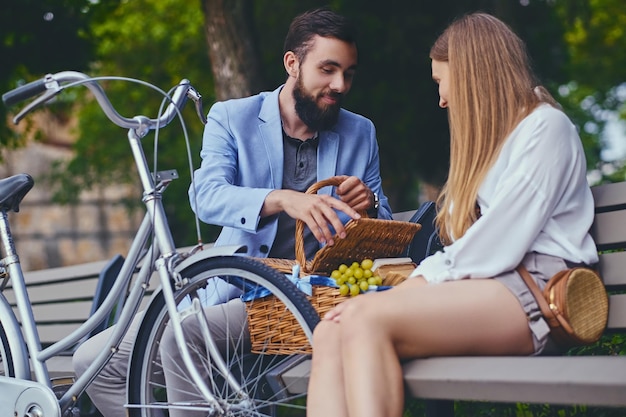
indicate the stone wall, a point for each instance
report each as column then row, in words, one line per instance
column 50, row 235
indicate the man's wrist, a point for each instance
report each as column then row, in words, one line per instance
column 374, row 204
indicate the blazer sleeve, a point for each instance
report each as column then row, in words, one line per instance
column 222, row 191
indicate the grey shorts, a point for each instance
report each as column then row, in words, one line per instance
column 541, row 268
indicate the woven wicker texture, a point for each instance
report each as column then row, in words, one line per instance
column 586, row 304
column 274, row 330
column 365, row 238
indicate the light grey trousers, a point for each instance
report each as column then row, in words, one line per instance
column 108, row 390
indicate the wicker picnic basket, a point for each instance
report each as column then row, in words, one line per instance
column 275, row 331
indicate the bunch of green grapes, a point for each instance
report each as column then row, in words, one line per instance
column 356, row 278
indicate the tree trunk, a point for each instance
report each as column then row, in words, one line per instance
column 233, row 53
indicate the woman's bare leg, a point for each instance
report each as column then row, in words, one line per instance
column 467, row 317
column 326, row 396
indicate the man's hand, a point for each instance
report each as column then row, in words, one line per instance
column 355, row 193
column 317, row 211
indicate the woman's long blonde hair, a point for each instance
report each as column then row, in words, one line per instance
column 490, row 91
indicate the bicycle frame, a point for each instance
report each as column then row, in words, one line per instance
column 162, row 257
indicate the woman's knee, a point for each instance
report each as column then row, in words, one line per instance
column 326, row 337
column 359, row 314
column 329, row 334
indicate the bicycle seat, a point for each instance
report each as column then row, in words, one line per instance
column 12, row 191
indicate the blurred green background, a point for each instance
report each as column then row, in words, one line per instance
column 576, row 46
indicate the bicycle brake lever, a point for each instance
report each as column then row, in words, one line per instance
column 197, row 100
column 53, row 89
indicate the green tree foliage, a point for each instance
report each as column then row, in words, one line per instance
column 40, row 36
column 594, row 32
column 161, row 42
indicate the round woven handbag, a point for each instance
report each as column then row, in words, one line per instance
column 365, row 238
column 574, row 303
column 579, row 302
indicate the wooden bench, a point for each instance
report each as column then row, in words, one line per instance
column 558, row 380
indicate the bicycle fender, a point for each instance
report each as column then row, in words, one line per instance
column 15, row 339
column 211, row 252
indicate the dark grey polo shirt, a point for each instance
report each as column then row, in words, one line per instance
column 299, row 173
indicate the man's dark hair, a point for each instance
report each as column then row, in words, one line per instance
column 322, row 22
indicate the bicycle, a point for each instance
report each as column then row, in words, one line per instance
column 231, row 380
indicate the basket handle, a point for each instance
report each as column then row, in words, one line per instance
column 299, row 236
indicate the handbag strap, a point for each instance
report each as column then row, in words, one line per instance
column 534, row 289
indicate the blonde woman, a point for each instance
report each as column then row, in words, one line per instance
column 516, row 192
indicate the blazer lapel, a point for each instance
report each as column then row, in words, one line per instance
column 270, row 129
column 327, row 154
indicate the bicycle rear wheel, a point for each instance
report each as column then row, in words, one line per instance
column 158, row 380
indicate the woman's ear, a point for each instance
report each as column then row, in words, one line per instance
column 291, row 63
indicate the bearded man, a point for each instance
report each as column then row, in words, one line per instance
column 259, row 156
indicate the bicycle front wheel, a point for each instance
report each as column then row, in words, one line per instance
column 159, row 382
column 6, row 359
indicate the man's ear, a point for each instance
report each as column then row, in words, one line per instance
column 292, row 65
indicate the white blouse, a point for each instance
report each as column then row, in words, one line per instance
column 534, row 199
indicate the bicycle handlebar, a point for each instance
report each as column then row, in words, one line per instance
column 52, row 84
column 24, row 92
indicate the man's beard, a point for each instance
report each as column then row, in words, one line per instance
column 314, row 116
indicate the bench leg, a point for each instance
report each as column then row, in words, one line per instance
column 439, row 408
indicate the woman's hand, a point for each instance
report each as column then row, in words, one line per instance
column 335, row 313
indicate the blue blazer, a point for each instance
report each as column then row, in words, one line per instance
column 242, row 162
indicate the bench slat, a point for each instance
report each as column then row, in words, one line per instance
column 613, row 267
column 607, row 195
column 59, row 291
column 568, row 380
column 609, row 229
column 71, row 311
column 50, row 333
column 64, row 273
column 556, row 380
column 617, row 313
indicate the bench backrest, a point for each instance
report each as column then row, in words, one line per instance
column 609, row 232
column 63, row 298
